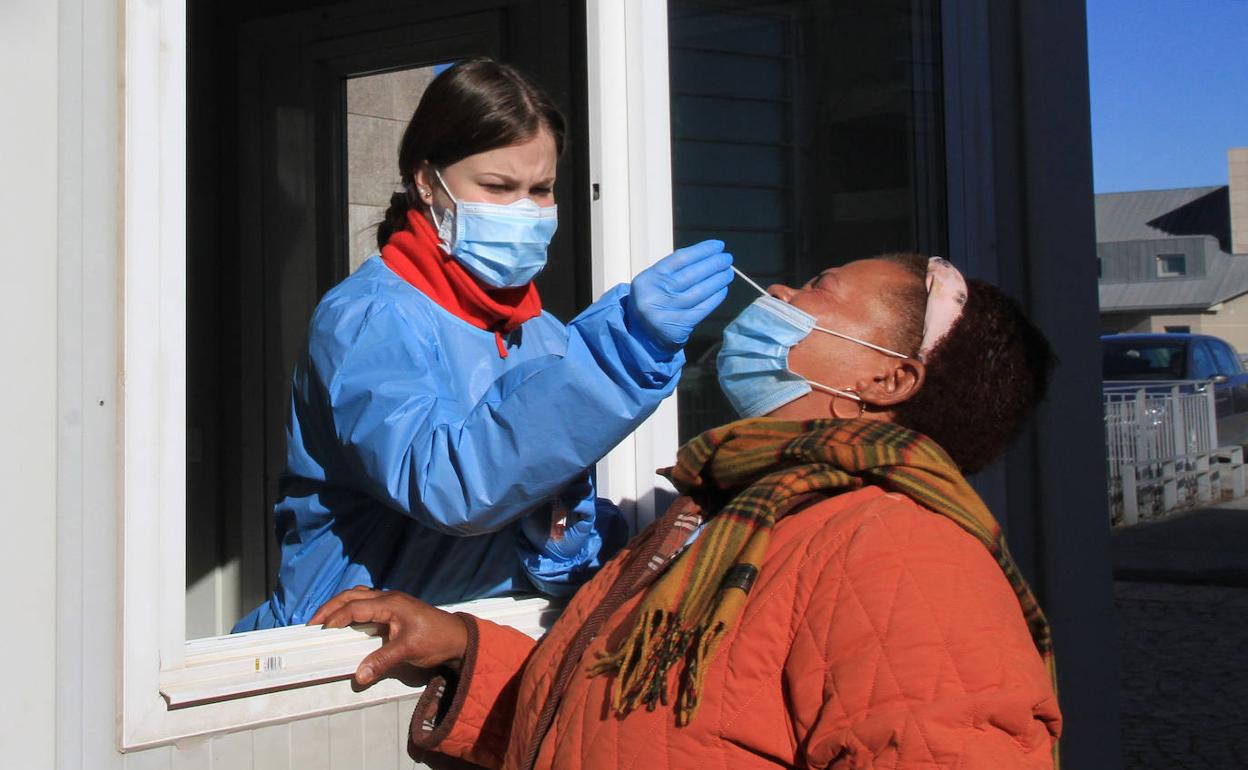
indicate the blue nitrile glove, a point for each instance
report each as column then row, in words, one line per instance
column 673, row 295
column 575, row 506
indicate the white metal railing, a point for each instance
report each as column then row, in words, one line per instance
column 1162, row 448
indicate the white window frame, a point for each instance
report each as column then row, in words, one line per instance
column 632, row 226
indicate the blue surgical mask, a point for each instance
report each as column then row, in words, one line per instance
column 503, row 246
column 753, row 361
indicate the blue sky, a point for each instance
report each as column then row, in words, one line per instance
column 1169, row 85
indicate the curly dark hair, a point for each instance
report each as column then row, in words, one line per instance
column 994, row 364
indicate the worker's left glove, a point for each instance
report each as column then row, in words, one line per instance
column 672, row 296
column 562, row 527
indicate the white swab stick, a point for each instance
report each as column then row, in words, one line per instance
column 750, row 281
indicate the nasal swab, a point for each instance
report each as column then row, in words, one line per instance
column 750, row 281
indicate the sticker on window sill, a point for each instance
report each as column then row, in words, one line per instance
column 270, row 663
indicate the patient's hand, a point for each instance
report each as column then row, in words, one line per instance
column 416, row 633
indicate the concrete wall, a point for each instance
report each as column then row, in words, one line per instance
column 1237, row 177
column 1125, row 323
column 1193, row 321
column 378, row 109
column 28, row 318
column 1229, row 322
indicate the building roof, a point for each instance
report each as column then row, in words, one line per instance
column 1149, row 214
column 1140, row 225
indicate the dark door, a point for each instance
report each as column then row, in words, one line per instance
column 278, row 222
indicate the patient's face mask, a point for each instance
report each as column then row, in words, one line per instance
column 753, row 361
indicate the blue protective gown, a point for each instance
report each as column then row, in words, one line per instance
column 418, row 459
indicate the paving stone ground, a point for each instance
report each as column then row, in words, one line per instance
column 1184, row 674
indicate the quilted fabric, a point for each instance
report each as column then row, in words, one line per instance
column 878, row 635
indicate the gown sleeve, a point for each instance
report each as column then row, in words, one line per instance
column 536, row 430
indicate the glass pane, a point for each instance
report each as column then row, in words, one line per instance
column 378, row 109
column 802, row 135
column 1224, row 362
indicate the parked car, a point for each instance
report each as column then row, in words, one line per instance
column 1154, row 358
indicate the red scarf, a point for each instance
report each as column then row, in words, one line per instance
column 415, row 255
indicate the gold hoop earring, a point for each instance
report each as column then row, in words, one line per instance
column 862, row 407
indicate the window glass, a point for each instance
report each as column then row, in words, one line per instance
column 1143, row 361
column 1171, row 265
column 1203, row 366
column 1226, row 361
column 804, row 134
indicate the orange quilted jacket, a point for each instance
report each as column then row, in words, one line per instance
column 878, row 635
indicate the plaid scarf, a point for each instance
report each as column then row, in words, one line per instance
column 751, row 472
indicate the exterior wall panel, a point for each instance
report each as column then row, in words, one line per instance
column 28, row 396
column 309, row 743
column 192, row 755
column 374, row 738
column 271, row 748
column 152, row 759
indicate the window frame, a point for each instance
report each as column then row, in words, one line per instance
column 631, row 226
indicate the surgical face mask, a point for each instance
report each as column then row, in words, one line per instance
column 503, row 246
column 753, row 361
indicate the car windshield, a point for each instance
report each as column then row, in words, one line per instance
column 1122, row 360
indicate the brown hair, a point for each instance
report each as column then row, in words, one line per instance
column 984, row 378
column 477, row 105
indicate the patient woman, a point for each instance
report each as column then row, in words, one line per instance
column 828, row 591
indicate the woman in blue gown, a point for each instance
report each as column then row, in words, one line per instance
column 443, row 429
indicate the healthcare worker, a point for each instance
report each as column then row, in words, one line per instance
column 443, row 428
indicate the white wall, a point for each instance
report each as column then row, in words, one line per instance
column 28, row 219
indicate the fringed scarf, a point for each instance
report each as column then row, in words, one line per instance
column 743, row 476
column 415, row 256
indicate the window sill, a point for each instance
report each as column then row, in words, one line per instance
column 265, row 677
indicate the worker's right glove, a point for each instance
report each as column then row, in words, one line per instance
column 673, row 295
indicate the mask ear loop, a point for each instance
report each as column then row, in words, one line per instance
column 442, row 182
column 437, row 221
column 864, row 343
